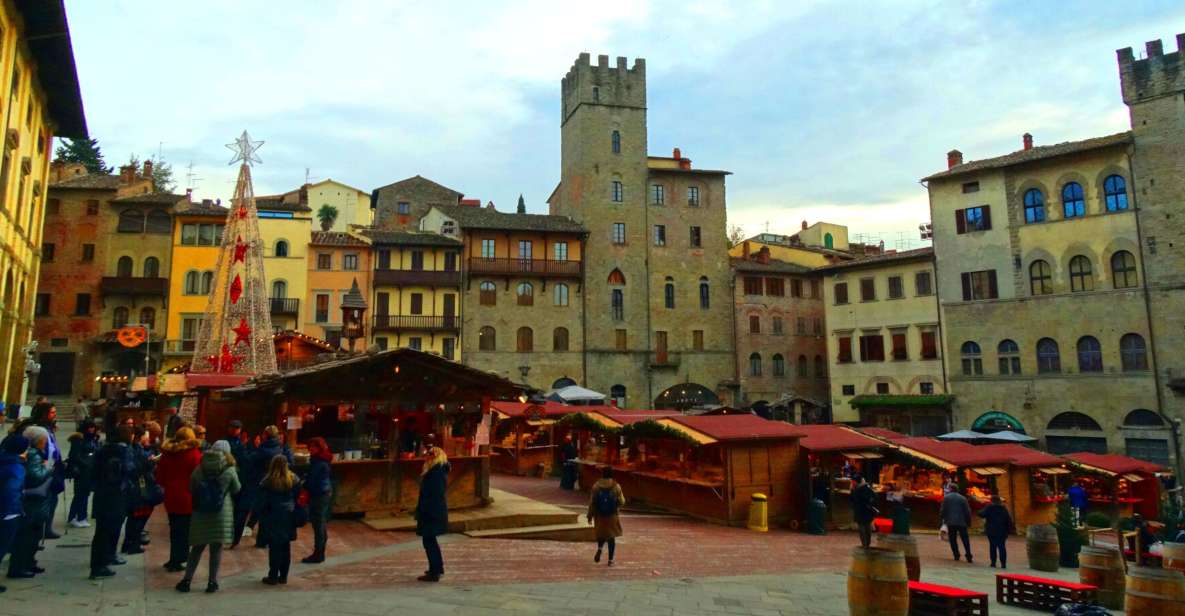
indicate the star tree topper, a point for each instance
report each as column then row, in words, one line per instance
column 244, row 149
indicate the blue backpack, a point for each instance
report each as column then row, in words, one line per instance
column 605, row 502
column 208, row 496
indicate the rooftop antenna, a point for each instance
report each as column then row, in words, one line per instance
column 190, row 177
column 306, row 175
column 160, row 151
column 767, row 226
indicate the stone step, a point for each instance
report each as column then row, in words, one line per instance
column 550, row 532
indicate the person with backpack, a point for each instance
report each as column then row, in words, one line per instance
column 432, row 509
column 180, row 457
column 213, row 486
column 114, row 470
column 12, row 486
column 278, row 495
column 319, row 484
column 604, row 503
column 80, row 466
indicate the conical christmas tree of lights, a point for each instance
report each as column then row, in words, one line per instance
column 236, row 335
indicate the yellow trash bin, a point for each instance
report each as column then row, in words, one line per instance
column 759, row 513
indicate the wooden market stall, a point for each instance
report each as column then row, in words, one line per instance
column 525, row 438
column 374, row 410
column 705, row 466
column 834, row 453
column 1118, row 485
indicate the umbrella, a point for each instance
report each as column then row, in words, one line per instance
column 1009, row 436
column 961, row 435
column 575, row 393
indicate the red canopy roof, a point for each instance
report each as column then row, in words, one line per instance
column 629, row 416
column 546, row 409
column 958, row 453
column 738, row 427
column 834, row 437
column 1115, row 463
column 884, row 433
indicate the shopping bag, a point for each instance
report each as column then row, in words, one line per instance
column 943, row 534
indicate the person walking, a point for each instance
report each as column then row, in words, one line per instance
column 432, row 509
column 277, row 508
column 114, row 471
column 80, row 467
column 863, row 508
column 45, row 414
column 1078, row 501
column 603, row 504
column 213, row 485
column 180, row 457
column 35, row 502
column 319, row 483
column 261, row 457
column 956, row 514
column 146, row 493
column 997, row 525
column 12, row 485
column 568, row 454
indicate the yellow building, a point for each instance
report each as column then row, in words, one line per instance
column 41, row 100
column 197, row 237
column 335, row 262
column 885, row 344
column 285, row 227
column 416, row 297
column 353, row 205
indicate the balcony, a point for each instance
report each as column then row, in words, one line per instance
column 131, row 286
column 427, row 278
column 388, row 322
column 284, row 305
column 664, row 359
column 526, row 267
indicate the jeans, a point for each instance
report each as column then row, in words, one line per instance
column 105, row 541
column 996, row 547
column 865, row 533
column 78, row 504
column 131, row 533
column 279, row 558
column 24, row 546
column 954, row 532
column 195, row 557
column 612, row 546
column 179, row 538
column 8, row 530
column 435, row 558
column 319, row 519
column 242, row 508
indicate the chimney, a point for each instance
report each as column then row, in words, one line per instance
column 1027, row 139
column 189, row 195
column 148, row 169
column 522, row 205
column 677, row 155
column 490, row 205
column 763, row 255
column 745, row 249
column 58, row 167
column 304, row 194
column 207, row 202
column 804, row 226
column 127, row 174
column 953, row 158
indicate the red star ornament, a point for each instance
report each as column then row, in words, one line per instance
column 236, row 289
column 242, row 212
column 240, row 250
column 227, row 360
column 242, row 332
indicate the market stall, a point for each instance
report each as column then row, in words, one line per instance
column 834, row 454
column 705, row 466
column 1118, row 485
column 525, row 439
column 375, row 410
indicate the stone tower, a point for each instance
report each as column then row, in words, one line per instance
column 1154, row 91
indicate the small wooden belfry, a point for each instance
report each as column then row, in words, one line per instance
column 353, row 315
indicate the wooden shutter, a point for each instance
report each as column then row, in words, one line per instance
column 899, row 351
column 845, row 349
column 960, row 222
column 966, row 286
column 993, row 291
column 987, row 216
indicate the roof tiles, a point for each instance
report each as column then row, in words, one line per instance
column 1033, row 154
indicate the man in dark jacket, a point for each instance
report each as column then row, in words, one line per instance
column 241, row 454
column 997, row 525
column 115, row 469
column 956, row 514
column 319, row 483
column 34, row 502
column 863, row 509
column 270, row 447
column 45, row 414
column 80, row 466
column 12, row 485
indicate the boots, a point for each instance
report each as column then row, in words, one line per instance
column 318, row 556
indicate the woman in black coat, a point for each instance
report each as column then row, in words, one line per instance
column 276, row 504
column 997, row 525
column 80, row 466
column 432, row 511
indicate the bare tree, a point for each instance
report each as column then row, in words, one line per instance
column 736, row 235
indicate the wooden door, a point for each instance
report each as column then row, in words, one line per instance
column 450, row 310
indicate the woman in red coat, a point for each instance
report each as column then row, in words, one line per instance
column 180, row 455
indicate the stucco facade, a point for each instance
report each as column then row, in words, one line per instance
column 415, row 299
column 352, row 204
column 336, row 260
column 285, row 231
column 401, row 205
column 197, row 240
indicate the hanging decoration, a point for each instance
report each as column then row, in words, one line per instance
column 235, row 336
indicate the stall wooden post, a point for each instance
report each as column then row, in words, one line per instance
column 290, row 438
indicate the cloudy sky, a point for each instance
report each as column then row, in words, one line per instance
column 823, row 110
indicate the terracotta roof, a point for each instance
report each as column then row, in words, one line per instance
column 276, row 203
column 409, row 238
column 335, row 238
column 151, row 197
column 917, row 254
column 1033, row 154
column 418, row 179
column 487, row 218
column 201, row 209
column 90, row 181
column 738, row 427
column 774, row 266
column 835, row 437
column 1114, row 463
column 884, row 433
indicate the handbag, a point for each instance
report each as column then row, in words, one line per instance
column 151, row 494
column 300, row 509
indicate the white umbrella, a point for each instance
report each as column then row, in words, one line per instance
column 575, row 393
column 961, row 435
column 1009, row 436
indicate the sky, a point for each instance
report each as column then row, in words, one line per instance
column 822, row 110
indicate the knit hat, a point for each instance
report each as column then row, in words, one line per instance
column 220, row 447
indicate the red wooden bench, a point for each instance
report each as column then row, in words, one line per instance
column 936, row 600
column 1041, row 593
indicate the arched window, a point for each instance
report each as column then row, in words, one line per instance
column 131, row 221
column 281, row 248
column 1073, row 200
column 525, row 340
column 1008, row 353
column 1040, row 278
column 1123, row 270
column 1034, row 206
column 561, row 294
column 487, row 339
column 119, row 317
column 488, row 293
column 1090, row 354
column 1073, row 420
column 123, row 267
column 802, row 366
column 559, row 339
column 279, row 289
column 1133, row 353
column 668, row 293
column 1115, row 190
column 192, row 283
column 820, row 367
column 152, row 267
column 705, row 293
column 562, row 382
column 755, row 364
column 616, row 138
column 159, row 222
column 148, row 317
column 972, row 359
column 617, row 392
column 525, row 293
column 617, row 303
column 207, row 282
column 616, row 277
column 1085, row 434
column 1049, row 359
column 779, row 365
column 828, row 241
column 1144, row 419
column 1081, row 278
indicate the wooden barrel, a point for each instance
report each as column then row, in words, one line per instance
column 908, row 546
column 1103, row 567
column 877, row 583
column 1042, row 547
column 1174, row 556
column 1159, row 592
